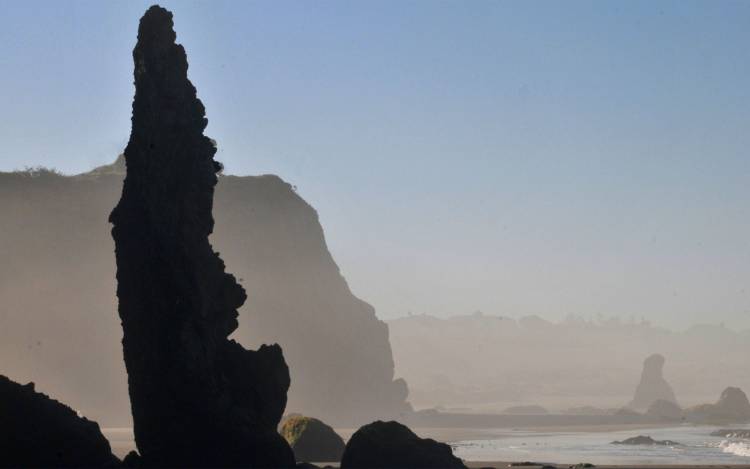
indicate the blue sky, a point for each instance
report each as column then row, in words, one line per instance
column 518, row 158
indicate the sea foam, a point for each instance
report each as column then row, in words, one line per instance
column 739, row 448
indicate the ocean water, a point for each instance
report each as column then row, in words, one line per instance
column 697, row 446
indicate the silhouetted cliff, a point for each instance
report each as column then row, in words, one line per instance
column 58, row 290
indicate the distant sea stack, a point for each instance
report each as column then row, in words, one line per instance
column 732, row 407
column 198, row 399
column 653, row 386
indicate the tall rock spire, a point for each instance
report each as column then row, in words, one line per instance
column 198, row 398
column 653, row 386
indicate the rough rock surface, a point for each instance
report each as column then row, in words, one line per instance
column 312, row 440
column 652, row 386
column 666, row 410
column 198, row 399
column 36, row 431
column 732, row 406
column 392, row 445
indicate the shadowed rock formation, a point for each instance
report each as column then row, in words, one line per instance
column 198, row 399
column 732, row 406
column 55, row 239
column 312, row 440
column 389, row 444
column 733, row 401
column 653, row 386
column 36, row 431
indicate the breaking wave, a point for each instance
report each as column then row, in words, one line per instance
column 739, row 448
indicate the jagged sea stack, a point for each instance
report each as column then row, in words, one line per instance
column 198, row 399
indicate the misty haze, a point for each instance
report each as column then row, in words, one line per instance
column 374, row 234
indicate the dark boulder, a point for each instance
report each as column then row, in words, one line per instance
column 311, row 439
column 36, row 431
column 392, row 445
column 197, row 398
column 652, row 386
column 645, row 441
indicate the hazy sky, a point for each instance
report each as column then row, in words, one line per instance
column 515, row 157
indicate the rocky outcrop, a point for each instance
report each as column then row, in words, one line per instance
column 732, row 406
column 36, row 431
column 392, row 445
column 198, row 399
column 312, row 440
column 269, row 236
column 645, row 440
column 732, row 433
column 733, row 401
column 664, row 410
column 652, row 386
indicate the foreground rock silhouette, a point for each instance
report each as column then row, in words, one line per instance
column 391, row 445
column 312, row 440
column 653, row 386
column 198, row 399
column 36, row 431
